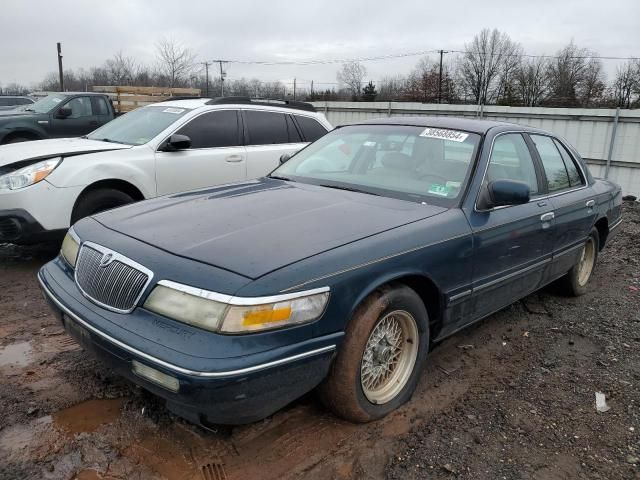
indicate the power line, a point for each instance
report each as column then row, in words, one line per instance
column 409, row 54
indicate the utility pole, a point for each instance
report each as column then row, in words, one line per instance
column 221, row 79
column 311, row 90
column 294, row 89
column 206, row 70
column 442, row 52
column 60, row 67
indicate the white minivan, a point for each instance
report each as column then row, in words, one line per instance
column 168, row 147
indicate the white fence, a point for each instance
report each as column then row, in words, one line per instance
column 608, row 139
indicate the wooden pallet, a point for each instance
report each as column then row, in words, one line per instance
column 126, row 98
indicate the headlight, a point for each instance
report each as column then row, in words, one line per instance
column 70, row 247
column 26, row 176
column 222, row 313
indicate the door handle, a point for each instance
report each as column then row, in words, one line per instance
column 590, row 203
column 233, row 158
column 547, row 217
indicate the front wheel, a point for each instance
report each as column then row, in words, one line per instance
column 97, row 201
column 383, row 354
column 574, row 283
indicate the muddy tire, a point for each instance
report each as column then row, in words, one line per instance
column 384, row 351
column 98, row 201
column 574, row 283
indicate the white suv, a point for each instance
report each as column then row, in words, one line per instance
column 168, row 147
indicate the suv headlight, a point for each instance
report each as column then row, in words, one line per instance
column 226, row 314
column 34, row 173
column 70, row 247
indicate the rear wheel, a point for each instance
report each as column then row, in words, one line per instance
column 383, row 354
column 97, row 201
column 575, row 282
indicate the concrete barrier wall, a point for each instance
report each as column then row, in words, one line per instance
column 591, row 131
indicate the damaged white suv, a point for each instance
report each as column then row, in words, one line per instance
column 168, row 147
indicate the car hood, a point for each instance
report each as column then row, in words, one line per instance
column 41, row 149
column 256, row 227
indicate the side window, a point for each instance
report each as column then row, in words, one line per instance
column 311, row 128
column 575, row 179
column 511, row 160
column 24, row 101
column 213, row 129
column 99, row 106
column 266, row 128
column 80, row 107
column 557, row 176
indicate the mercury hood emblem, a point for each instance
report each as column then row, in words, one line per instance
column 106, row 260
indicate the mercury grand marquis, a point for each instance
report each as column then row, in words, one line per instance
column 337, row 271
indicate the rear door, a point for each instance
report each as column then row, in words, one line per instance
column 572, row 199
column 101, row 110
column 512, row 245
column 81, row 121
column 268, row 136
column 216, row 155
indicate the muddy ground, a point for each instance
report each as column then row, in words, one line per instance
column 512, row 397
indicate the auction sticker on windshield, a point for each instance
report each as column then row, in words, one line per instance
column 444, row 134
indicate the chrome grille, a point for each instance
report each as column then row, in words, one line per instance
column 110, row 279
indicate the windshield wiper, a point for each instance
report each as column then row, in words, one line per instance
column 349, row 189
column 108, row 140
column 29, row 110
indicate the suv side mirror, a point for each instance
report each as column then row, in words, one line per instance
column 500, row 193
column 176, row 142
column 284, row 158
column 64, row 112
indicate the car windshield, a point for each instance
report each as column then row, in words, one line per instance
column 422, row 164
column 46, row 104
column 139, row 126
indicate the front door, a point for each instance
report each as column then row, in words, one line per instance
column 81, row 121
column 216, row 155
column 512, row 245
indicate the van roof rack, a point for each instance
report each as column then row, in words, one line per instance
column 181, row 97
column 263, row 101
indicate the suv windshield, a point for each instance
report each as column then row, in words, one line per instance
column 139, row 126
column 46, row 104
column 413, row 163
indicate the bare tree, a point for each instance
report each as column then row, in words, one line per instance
column 626, row 83
column 122, row 70
column 486, row 62
column 175, row 61
column 351, row 76
column 531, row 81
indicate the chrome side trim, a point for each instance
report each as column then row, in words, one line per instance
column 615, row 225
column 175, row 368
column 569, row 250
column 239, row 301
column 460, row 295
column 511, row 275
column 372, row 262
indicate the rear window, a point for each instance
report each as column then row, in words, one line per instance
column 311, row 128
column 554, row 168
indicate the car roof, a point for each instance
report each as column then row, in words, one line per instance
column 473, row 125
column 208, row 102
column 190, row 103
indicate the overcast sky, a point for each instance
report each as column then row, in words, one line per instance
column 91, row 31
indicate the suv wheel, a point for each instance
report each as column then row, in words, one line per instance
column 97, row 201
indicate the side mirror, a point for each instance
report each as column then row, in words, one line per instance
column 500, row 193
column 176, row 142
column 284, row 158
column 64, row 112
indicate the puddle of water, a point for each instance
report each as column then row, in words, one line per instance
column 88, row 416
column 17, row 354
column 87, row 475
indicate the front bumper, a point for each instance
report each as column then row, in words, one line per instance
column 18, row 226
column 221, row 394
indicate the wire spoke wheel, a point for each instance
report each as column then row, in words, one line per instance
column 389, row 357
column 587, row 261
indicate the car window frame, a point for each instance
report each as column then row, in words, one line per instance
column 568, row 189
column 64, row 105
column 559, row 145
column 247, row 137
column 189, row 119
column 537, row 165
